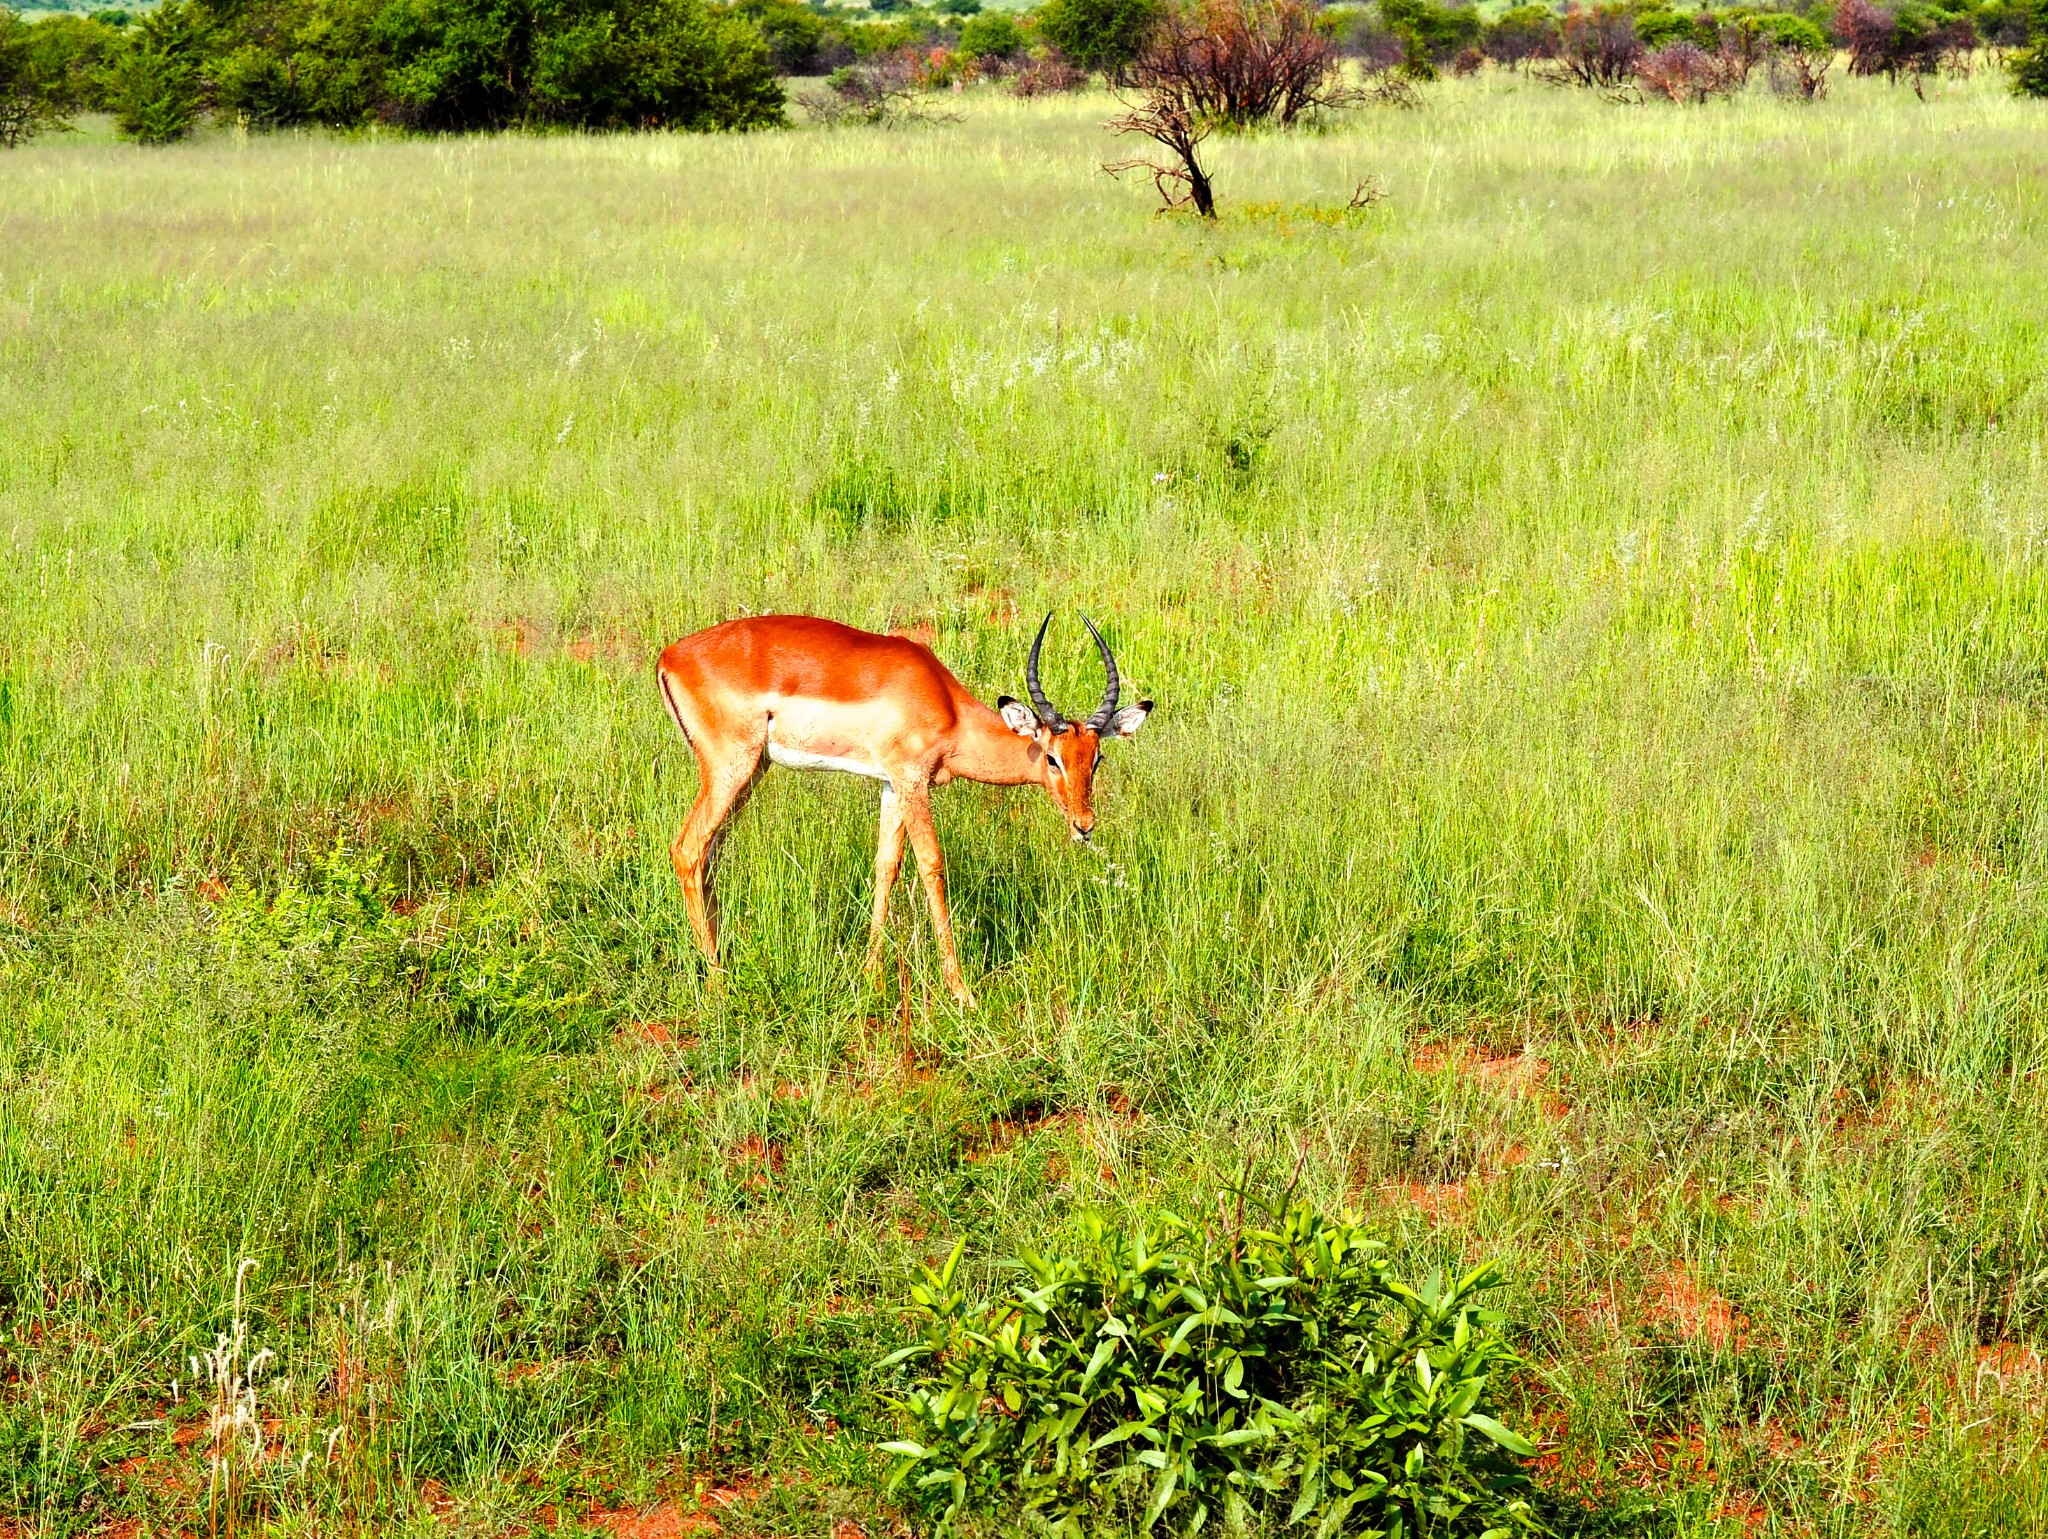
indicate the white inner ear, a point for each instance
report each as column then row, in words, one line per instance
column 1018, row 718
column 1127, row 721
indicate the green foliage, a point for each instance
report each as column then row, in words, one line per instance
column 1798, row 34
column 1658, row 28
column 2029, row 66
column 1189, row 1375
column 584, row 63
column 1606, row 719
column 154, row 84
column 1431, row 34
column 28, row 104
column 1106, row 35
column 801, row 41
column 1521, row 33
column 993, row 35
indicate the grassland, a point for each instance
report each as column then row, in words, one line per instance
column 1594, row 815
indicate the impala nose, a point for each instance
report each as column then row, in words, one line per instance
column 1082, row 831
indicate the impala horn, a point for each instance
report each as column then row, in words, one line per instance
column 1099, row 722
column 1039, row 703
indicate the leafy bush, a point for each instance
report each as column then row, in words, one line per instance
column 1523, row 33
column 154, row 84
column 583, row 63
column 2029, row 66
column 1800, row 55
column 800, row 40
column 27, row 105
column 1431, row 34
column 992, row 35
column 1105, row 35
column 1184, row 1374
column 1597, row 49
column 1912, row 42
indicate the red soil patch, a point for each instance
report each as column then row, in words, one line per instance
column 514, row 637
column 2005, row 1366
column 211, row 889
column 1698, row 1312
column 655, row 1034
column 1518, row 1075
column 1744, row 1507
column 760, row 1158
column 666, row 1521
column 846, row 1528
column 1438, row 1203
column 1119, row 1113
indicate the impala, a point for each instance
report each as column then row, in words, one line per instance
column 813, row 694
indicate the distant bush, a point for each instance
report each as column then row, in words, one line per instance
column 1909, row 43
column 885, row 92
column 28, row 105
column 1799, row 55
column 1431, row 35
column 1685, row 72
column 1190, row 1375
column 992, row 35
column 2029, row 66
column 800, row 41
column 439, row 64
column 1526, row 32
column 1597, row 48
column 154, row 83
column 1103, row 35
column 1048, row 72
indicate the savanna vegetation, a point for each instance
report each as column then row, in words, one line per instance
column 1558, row 990
column 457, row 65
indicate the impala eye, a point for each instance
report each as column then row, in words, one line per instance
column 1055, row 759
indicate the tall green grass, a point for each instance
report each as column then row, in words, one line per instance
column 1595, row 599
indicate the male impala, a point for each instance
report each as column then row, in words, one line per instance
column 815, row 694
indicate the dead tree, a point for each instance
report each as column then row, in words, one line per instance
column 1168, row 120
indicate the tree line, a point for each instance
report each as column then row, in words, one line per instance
column 453, row 65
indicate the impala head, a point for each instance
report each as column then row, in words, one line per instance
column 1067, row 751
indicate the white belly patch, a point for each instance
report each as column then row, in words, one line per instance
column 797, row 759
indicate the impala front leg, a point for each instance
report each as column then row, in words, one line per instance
column 888, row 861
column 916, row 811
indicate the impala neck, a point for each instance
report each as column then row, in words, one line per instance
column 987, row 751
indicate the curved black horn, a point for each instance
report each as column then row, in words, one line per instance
column 1039, row 703
column 1100, row 720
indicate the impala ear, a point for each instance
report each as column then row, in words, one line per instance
column 1127, row 721
column 1018, row 717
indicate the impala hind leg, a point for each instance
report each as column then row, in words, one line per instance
column 722, row 789
column 916, row 811
column 888, row 861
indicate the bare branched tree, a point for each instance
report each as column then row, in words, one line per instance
column 1242, row 63
column 1166, row 118
column 1225, row 64
column 890, row 91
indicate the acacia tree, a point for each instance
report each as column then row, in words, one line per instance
column 27, row 105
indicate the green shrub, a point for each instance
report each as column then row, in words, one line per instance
column 2029, row 65
column 154, row 84
column 27, row 104
column 1106, row 35
column 1430, row 34
column 992, row 35
column 1183, row 1374
column 155, row 96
